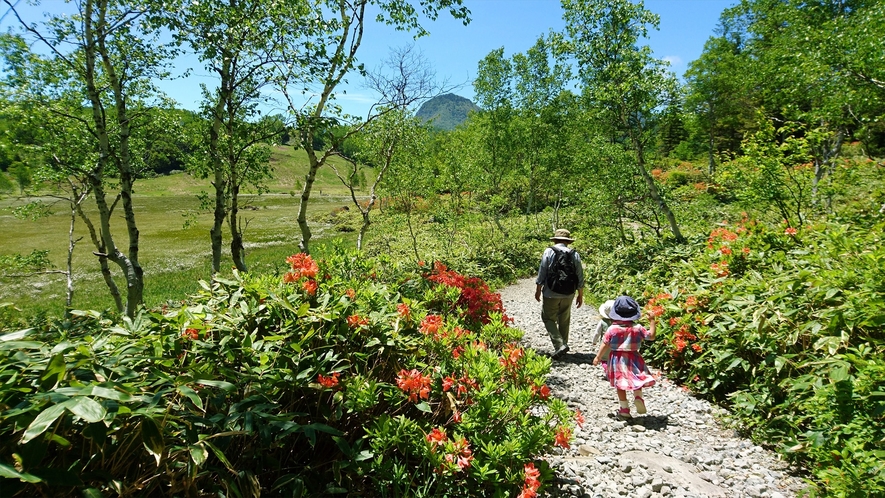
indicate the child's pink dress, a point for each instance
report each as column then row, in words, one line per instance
column 626, row 368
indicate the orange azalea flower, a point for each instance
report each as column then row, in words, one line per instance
column 725, row 250
column 721, row 268
column 579, row 418
column 303, row 265
column 437, row 437
column 655, row 311
column 431, row 324
column 562, row 437
column 290, row 278
column 403, row 310
column 356, row 321
column 331, row 381
column 192, row 334
column 790, row 231
column 350, row 293
column 463, row 453
column 679, row 343
column 746, row 250
column 512, row 355
column 532, row 481
column 456, row 353
column 309, row 286
column 414, row 384
column 527, row 492
column 532, row 474
column 697, row 347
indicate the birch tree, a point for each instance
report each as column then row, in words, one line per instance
column 343, row 24
column 240, row 42
column 98, row 75
column 622, row 83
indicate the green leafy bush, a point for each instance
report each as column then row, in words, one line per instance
column 349, row 376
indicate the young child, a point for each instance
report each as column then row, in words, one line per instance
column 626, row 368
column 604, row 323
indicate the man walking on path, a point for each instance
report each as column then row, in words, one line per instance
column 560, row 275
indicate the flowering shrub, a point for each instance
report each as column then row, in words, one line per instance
column 475, row 300
column 397, row 385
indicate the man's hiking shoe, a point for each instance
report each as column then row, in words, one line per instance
column 624, row 414
column 640, row 405
column 560, row 351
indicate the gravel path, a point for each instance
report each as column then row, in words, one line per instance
column 678, row 449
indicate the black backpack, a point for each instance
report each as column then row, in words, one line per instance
column 562, row 276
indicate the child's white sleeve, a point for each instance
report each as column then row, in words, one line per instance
column 597, row 334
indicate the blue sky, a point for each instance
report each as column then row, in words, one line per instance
column 454, row 50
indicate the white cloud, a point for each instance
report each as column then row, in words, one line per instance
column 674, row 60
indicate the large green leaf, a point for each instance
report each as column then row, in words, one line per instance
column 191, row 395
column 10, row 473
column 16, row 345
column 87, row 408
column 92, row 493
column 199, row 454
column 104, row 392
column 43, row 421
column 152, row 438
column 54, row 373
column 227, row 386
column 15, row 336
column 839, row 372
column 219, row 455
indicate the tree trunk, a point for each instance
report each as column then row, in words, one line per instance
column 94, row 41
column 823, row 163
column 363, row 229
column 304, row 244
column 220, row 180
column 102, row 260
column 215, row 235
column 237, row 250
column 129, row 263
column 653, row 189
column 72, row 243
column 711, row 168
column 342, row 61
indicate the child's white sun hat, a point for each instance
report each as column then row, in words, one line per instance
column 605, row 308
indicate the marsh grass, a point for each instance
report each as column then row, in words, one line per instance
column 174, row 248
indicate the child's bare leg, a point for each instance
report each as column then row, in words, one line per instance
column 639, row 401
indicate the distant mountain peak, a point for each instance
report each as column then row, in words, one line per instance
column 446, row 111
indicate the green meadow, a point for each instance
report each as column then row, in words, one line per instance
column 174, row 236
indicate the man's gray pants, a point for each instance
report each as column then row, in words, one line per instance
column 556, row 313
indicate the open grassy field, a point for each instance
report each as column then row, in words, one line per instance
column 174, row 236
